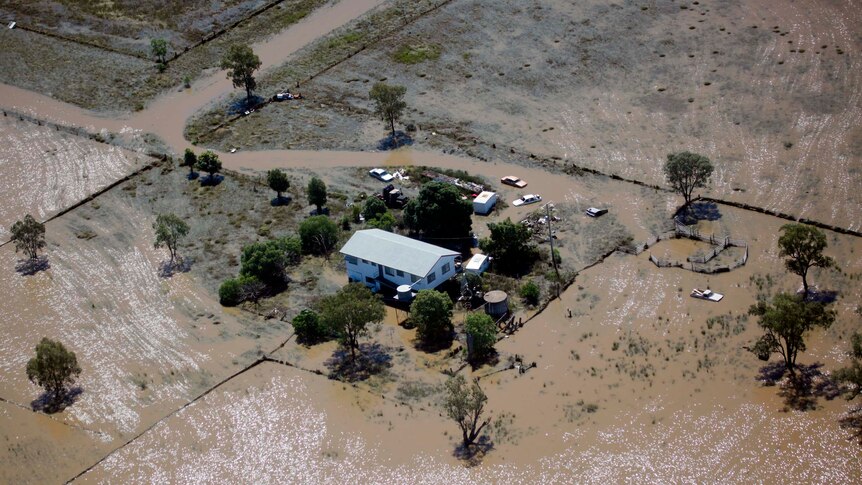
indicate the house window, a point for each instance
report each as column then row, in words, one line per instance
column 431, row 277
column 369, row 279
column 414, row 278
column 446, row 268
column 400, row 273
column 351, row 259
column 365, row 261
column 389, row 271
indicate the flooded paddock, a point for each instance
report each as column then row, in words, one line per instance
column 43, row 171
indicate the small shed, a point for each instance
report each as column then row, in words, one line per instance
column 496, row 303
column 484, row 202
column 478, row 264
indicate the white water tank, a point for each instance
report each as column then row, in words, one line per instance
column 405, row 293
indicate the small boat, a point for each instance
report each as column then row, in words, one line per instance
column 706, row 295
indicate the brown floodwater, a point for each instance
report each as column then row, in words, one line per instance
column 633, row 386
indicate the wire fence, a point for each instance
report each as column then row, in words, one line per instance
column 698, row 262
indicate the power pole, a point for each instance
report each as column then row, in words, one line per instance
column 551, row 240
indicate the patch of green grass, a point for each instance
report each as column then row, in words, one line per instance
column 416, row 53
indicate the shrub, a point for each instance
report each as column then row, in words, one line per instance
column 318, row 235
column 309, row 328
column 229, row 292
column 482, row 333
column 530, row 293
column 431, row 312
column 267, row 260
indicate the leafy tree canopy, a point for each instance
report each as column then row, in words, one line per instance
column 439, row 212
column 309, row 328
column 431, row 312
column 348, row 313
column 852, row 374
column 29, row 236
column 267, row 260
column 241, row 62
column 465, row 404
column 389, row 103
column 686, row 171
column 54, row 368
column 190, row 160
column 482, row 335
column 803, row 246
column 209, row 162
column 277, row 181
column 159, row 47
column 318, row 235
column 317, row 193
column 169, row 230
column 785, row 322
column 510, row 247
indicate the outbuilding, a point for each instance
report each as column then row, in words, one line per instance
column 379, row 258
column 484, row 202
column 478, row 264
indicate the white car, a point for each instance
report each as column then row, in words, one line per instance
column 380, row 174
column 527, row 199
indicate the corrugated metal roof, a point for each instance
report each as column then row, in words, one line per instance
column 484, row 197
column 397, row 252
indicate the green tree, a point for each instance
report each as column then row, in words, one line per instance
column 234, row 291
column 318, row 235
column 241, row 62
column 348, row 313
column 373, row 208
column 278, row 182
column 481, row 335
column 169, row 230
column 190, row 160
column 510, row 247
column 465, row 404
column 159, row 47
column 385, row 221
column 54, row 368
column 686, row 171
column 267, row 260
column 29, row 236
column 317, row 193
column 389, row 103
column 309, row 328
column 785, row 321
column 803, row 245
column 209, row 162
column 431, row 312
column 439, row 212
column 852, row 374
column 530, row 293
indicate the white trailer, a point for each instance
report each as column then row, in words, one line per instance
column 484, row 202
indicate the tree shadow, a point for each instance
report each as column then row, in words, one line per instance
column 801, row 388
column 48, row 403
column 29, row 267
column 700, row 211
column 241, row 105
column 324, row 211
column 168, row 269
column 192, row 176
column 371, row 359
column 211, row 180
column 435, row 346
column 852, row 420
column 821, row 296
column 474, row 454
column 391, row 142
column 279, row 201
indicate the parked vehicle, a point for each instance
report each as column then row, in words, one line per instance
column 527, row 199
column 392, row 197
column 593, row 212
column 380, row 174
column 513, row 181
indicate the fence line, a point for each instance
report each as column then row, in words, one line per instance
column 696, row 263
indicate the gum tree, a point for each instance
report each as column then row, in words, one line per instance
column 169, row 230
column 389, row 103
column 159, row 48
column 209, row 162
column 465, row 404
column 803, row 246
column 348, row 313
column 317, row 193
column 431, row 312
column 241, row 62
column 785, row 321
column 686, row 171
column 278, row 182
column 54, row 369
column 29, row 236
column 190, row 160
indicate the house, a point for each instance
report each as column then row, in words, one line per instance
column 380, row 258
column 484, row 203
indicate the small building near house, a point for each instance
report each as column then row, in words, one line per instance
column 379, row 258
column 484, row 202
column 478, row 264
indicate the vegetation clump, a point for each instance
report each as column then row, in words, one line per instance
column 389, row 103
column 431, row 313
column 686, row 171
column 317, row 194
column 169, row 230
column 510, row 246
column 277, row 181
column 309, row 328
column 54, row 369
column 481, row 336
column 318, row 235
column 348, row 313
column 465, row 405
column 439, row 213
column 417, row 53
column 241, row 62
column 29, row 236
column 803, row 246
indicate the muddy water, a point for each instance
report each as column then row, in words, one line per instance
column 43, row 171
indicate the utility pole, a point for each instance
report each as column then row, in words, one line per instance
column 551, row 240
